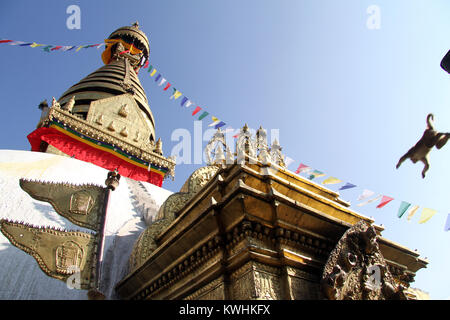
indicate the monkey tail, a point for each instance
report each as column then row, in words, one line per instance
column 430, row 119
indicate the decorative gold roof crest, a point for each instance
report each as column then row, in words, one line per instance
column 249, row 149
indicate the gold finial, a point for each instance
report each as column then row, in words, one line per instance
column 136, row 25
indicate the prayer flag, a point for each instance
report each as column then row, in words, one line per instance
column 5, row 41
column 316, row 174
column 100, row 45
column 188, row 104
column 158, row 77
column 426, row 215
column 288, row 161
column 447, row 224
column 167, row 87
column 331, row 180
column 56, row 48
column 146, row 64
column 34, row 45
column 66, row 48
column 204, row 114
column 26, row 44
column 183, row 101
column 176, row 94
column 220, row 124
column 79, row 47
column 153, row 73
column 384, row 201
column 347, row 186
column 302, row 168
column 163, row 80
column 366, row 193
column 411, row 212
column 47, row 48
column 215, row 122
column 150, row 68
column 196, row 110
column 402, row 209
column 15, row 43
column 369, row 201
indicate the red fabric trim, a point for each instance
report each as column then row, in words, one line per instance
column 35, row 137
column 84, row 152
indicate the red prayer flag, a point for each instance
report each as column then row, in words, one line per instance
column 384, row 201
column 196, row 110
column 300, row 167
column 167, row 87
column 56, row 48
column 5, row 41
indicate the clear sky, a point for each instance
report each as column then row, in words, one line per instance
column 348, row 100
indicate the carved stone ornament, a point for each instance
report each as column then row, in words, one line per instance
column 356, row 269
column 146, row 243
column 81, row 204
column 60, row 254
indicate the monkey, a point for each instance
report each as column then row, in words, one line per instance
column 423, row 147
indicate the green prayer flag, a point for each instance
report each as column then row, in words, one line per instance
column 47, row 48
column 204, row 114
column 402, row 209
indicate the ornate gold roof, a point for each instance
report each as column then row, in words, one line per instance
column 117, row 77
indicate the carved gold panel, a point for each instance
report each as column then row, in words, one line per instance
column 122, row 117
column 60, row 254
column 82, row 205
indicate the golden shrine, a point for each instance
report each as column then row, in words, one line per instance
column 244, row 227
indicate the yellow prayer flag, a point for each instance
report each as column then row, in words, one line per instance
column 79, row 47
column 412, row 211
column 426, row 215
column 331, row 180
column 34, row 45
column 153, row 73
column 176, row 95
column 215, row 121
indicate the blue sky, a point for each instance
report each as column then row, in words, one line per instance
column 348, row 101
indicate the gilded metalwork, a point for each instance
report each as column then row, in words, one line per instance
column 81, row 204
column 249, row 149
column 58, row 253
column 146, row 243
column 124, row 110
column 282, row 224
column 142, row 149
